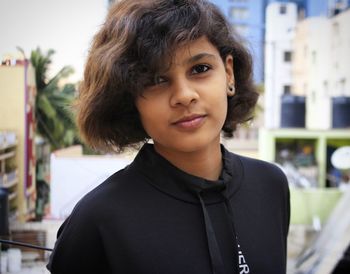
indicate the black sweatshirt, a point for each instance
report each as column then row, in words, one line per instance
column 152, row 218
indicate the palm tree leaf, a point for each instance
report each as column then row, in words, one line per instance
column 53, row 102
column 45, row 106
column 41, row 63
column 63, row 73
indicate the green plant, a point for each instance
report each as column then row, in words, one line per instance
column 54, row 115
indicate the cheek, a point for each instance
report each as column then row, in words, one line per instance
column 149, row 115
column 222, row 108
column 222, row 102
column 142, row 109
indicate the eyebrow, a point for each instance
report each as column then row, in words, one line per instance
column 199, row 56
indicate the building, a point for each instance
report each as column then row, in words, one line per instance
column 318, row 69
column 321, row 65
column 284, row 25
column 248, row 17
column 308, row 8
column 17, row 99
column 281, row 19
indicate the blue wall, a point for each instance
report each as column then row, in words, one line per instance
column 316, row 8
column 255, row 24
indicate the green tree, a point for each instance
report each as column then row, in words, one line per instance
column 54, row 115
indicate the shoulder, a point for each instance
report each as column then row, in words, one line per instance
column 259, row 174
column 114, row 191
column 262, row 168
column 105, row 208
column 98, row 205
column 266, row 180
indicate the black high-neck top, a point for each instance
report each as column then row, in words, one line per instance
column 152, row 217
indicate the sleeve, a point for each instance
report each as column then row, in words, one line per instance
column 78, row 248
column 285, row 210
column 283, row 193
column 287, row 203
column 282, row 187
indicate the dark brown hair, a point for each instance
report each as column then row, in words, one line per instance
column 129, row 50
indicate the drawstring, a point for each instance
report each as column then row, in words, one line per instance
column 232, row 224
column 214, row 252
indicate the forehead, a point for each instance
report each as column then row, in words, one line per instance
column 193, row 50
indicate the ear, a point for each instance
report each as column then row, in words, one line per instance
column 230, row 77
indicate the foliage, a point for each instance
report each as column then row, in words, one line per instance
column 55, row 119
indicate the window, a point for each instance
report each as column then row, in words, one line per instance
column 305, row 88
column 336, row 65
column 325, row 89
column 241, row 29
column 313, row 96
column 336, row 37
column 314, row 57
column 287, row 56
column 283, row 9
column 239, row 13
column 301, row 14
column 286, row 89
column 342, row 85
column 335, row 27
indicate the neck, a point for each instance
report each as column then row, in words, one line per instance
column 206, row 163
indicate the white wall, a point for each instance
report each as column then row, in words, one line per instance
column 340, row 54
column 278, row 36
column 72, row 176
column 310, row 69
column 63, row 25
column 321, row 67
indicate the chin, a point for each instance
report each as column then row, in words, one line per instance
column 197, row 144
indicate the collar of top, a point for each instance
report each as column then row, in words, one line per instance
column 180, row 185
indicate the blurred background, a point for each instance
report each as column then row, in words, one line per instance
column 301, row 53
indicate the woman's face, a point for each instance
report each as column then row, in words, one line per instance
column 185, row 109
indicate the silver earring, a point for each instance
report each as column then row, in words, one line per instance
column 231, row 90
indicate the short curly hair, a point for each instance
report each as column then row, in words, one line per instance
column 128, row 51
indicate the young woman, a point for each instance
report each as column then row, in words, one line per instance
column 174, row 72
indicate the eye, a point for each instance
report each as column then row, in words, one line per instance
column 159, row 79
column 200, row 69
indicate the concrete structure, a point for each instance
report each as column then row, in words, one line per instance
column 319, row 70
column 311, row 54
column 324, row 253
column 281, row 19
column 311, row 8
column 248, row 17
column 17, row 98
column 321, row 65
column 74, row 174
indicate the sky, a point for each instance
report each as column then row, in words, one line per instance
column 65, row 26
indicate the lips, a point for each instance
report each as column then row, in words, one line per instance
column 190, row 122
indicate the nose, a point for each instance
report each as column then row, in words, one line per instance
column 183, row 93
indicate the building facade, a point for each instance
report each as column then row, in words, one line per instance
column 248, row 17
column 291, row 39
column 281, row 20
column 321, row 65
